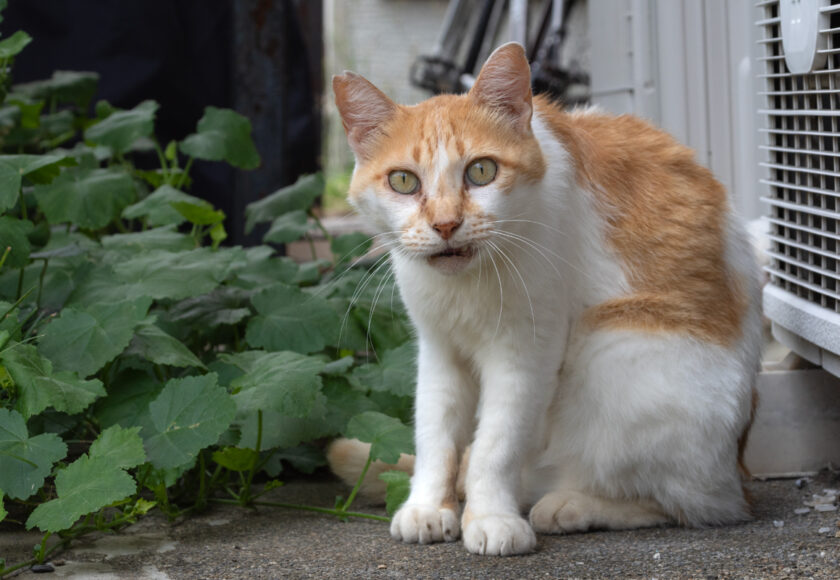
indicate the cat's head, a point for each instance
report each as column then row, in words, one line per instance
column 441, row 176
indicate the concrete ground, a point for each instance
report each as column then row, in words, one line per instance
column 232, row 543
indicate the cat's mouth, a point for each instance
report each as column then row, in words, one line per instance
column 452, row 260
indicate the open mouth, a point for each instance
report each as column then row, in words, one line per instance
column 452, row 260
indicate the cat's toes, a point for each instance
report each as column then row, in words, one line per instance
column 425, row 524
column 560, row 513
column 499, row 535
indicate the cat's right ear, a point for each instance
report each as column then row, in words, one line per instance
column 364, row 110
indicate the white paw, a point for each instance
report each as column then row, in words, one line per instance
column 561, row 513
column 499, row 535
column 424, row 524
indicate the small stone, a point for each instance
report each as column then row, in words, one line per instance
column 837, row 534
column 825, row 507
column 42, row 568
column 801, row 482
column 825, row 530
column 58, row 562
column 381, row 567
column 779, row 523
column 802, row 511
column 656, row 556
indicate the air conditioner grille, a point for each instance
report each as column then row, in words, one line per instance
column 802, row 162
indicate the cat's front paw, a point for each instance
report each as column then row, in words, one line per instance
column 499, row 535
column 425, row 524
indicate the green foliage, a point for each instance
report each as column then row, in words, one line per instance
column 398, row 485
column 180, row 371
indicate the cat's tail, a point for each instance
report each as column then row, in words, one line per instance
column 347, row 458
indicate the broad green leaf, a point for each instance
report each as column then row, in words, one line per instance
column 349, row 246
column 13, row 234
column 64, row 86
column 176, row 275
column 153, row 344
column 3, row 512
column 224, row 305
column 86, row 485
column 89, row 198
column 298, row 196
column 120, row 447
column 37, row 168
column 40, row 388
column 127, row 403
column 285, row 382
column 223, row 135
column 218, row 234
column 344, row 402
column 290, row 319
column 339, row 367
column 188, row 415
column 30, row 112
column 157, row 208
column 202, row 215
column 288, row 228
column 396, row 373
column 235, row 458
column 398, row 486
column 84, row 340
column 25, row 461
column 163, row 238
column 388, row 436
column 122, row 128
column 304, row 458
column 13, row 45
column 284, row 431
column 263, row 269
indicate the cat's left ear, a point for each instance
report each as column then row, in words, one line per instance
column 504, row 84
column 364, row 109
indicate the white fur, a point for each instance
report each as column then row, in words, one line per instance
column 618, row 428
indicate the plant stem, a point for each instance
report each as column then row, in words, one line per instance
column 312, row 247
column 245, row 495
column 327, row 235
column 20, row 282
column 358, row 486
column 183, row 178
column 41, row 282
column 4, row 256
column 24, row 212
column 162, row 158
column 310, row 508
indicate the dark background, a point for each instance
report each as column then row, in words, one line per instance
column 260, row 57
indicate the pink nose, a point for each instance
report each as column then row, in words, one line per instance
column 446, row 229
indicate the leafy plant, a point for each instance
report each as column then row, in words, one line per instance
column 144, row 365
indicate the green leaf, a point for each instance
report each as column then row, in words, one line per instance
column 224, row 305
column 30, row 112
column 235, row 458
column 89, row 198
column 388, row 436
column 288, row 228
column 223, row 135
column 290, row 319
column 153, row 344
column 121, row 129
column 13, row 45
column 263, row 269
column 188, row 415
column 13, row 234
column 120, row 447
column 3, row 512
column 284, row 431
column 349, row 246
column 127, row 403
column 25, row 461
column 171, row 151
column 40, row 388
column 176, row 275
column 202, row 215
column 344, row 402
column 304, row 458
column 285, row 382
column 86, row 485
column 158, row 208
column 84, row 340
column 163, row 238
column 398, row 486
column 37, row 168
column 64, row 86
column 298, row 196
column 396, row 374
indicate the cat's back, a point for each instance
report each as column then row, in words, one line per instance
column 667, row 220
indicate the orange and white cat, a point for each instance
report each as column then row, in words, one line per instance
column 585, row 307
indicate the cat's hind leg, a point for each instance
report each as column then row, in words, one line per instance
column 568, row 511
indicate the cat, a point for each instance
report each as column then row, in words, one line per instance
column 585, row 304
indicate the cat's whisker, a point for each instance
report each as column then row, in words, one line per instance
column 529, row 246
column 501, row 291
column 524, row 285
column 555, row 229
column 381, row 262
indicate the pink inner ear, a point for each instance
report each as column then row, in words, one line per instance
column 505, row 84
column 363, row 108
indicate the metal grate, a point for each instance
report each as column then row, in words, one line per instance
column 802, row 161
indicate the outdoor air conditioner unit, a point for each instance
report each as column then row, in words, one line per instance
column 799, row 66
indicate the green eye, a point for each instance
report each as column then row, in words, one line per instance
column 403, row 182
column 481, row 172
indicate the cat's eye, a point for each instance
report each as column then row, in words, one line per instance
column 403, row 182
column 481, row 172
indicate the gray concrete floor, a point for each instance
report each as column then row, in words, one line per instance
column 233, row 543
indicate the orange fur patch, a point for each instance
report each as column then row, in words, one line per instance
column 666, row 217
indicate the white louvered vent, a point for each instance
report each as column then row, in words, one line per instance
column 801, row 157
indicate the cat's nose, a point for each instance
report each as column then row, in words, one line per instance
column 446, row 229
